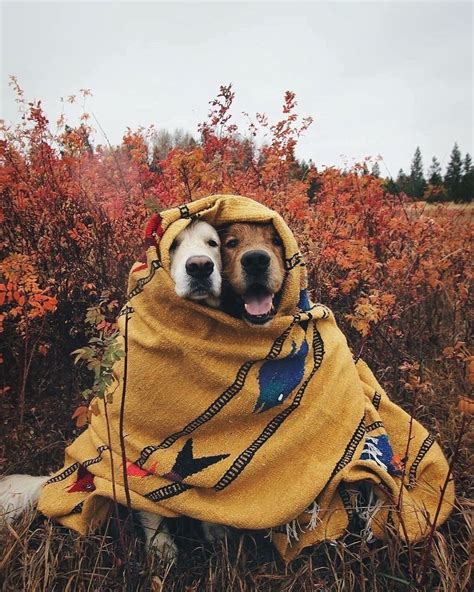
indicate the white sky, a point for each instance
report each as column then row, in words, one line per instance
column 379, row 77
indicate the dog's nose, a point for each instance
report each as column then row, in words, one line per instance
column 199, row 267
column 255, row 261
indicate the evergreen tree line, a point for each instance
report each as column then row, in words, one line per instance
column 456, row 185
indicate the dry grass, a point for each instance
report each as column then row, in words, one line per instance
column 40, row 555
column 459, row 212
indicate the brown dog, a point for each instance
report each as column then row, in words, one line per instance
column 253, row 271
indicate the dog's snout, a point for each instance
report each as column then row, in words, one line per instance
column 199, row 266
column 255, row 261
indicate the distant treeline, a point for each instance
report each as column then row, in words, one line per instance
column 457, row 184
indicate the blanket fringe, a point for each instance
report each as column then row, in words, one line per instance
column 294, row 528
column 366, row 507
column 313, row 510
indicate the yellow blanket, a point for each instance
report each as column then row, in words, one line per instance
column 253, row 427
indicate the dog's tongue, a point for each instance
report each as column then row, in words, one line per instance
column 258, row 305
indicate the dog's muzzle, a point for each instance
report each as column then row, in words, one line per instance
column 200, row 269
column 257, row 299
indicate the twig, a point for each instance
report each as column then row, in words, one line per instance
column 114, row 489
column 113, row 155
column 121, row 418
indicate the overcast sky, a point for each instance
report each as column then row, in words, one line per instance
column 378, row 77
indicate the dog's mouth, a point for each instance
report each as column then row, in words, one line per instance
column 199, row 290
column 258, row 305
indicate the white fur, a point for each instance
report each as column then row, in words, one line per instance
column 18, row 493
column 194, row 241
column 158, row 541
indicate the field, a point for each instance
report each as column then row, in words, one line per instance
column 396, row 274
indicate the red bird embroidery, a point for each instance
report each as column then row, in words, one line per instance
column 135, row 471
column 84, row 482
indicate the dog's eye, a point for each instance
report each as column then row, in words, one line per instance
column 276, row 240
column 175, row 244
column 212, row 243
column 231, row 243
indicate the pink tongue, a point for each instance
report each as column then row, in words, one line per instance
column 260, row 305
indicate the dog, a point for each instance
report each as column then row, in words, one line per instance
column 195, row 267
column 253, row 270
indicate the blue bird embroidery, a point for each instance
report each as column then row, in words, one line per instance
column 278, row 378
column 379, row 450
column 304, row 303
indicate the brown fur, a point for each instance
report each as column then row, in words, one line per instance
column 250, row 237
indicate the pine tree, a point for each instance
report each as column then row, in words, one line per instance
column 391, row 186
column 454, row 175
column 467, row 163
column 435, row 174
column 417, row 178
column 435, row 190
column 403, row 182
column 467, row 183
column 376, row 170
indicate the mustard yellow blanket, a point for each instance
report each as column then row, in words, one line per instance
column 252, row 427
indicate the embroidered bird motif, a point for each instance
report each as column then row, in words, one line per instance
column 186, row 464
column 278, row 378
column 135, row 471
column 304, row 303
column 379, row 450
column 84, row 481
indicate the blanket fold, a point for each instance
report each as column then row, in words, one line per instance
column 254, row 427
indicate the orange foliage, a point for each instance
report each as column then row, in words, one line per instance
column 73, row 215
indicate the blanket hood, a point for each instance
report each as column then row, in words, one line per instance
column 221, row 210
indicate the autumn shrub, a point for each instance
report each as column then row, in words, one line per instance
column 74, row 213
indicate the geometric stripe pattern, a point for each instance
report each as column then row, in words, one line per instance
column 247, row 455
column 64, row 474
column 72, row 468
column 220, row 402
column 167, row 491
column 376, row 400
column 95, row 460
column 427, row 444
column 350, row 448
column 293, row 261
column 374, row 426
column 155, row 264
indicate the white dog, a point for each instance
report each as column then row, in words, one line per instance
column 196, row 263
column 196, row 270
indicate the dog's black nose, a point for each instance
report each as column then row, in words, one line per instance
column 255, row 261
column 199, row 267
